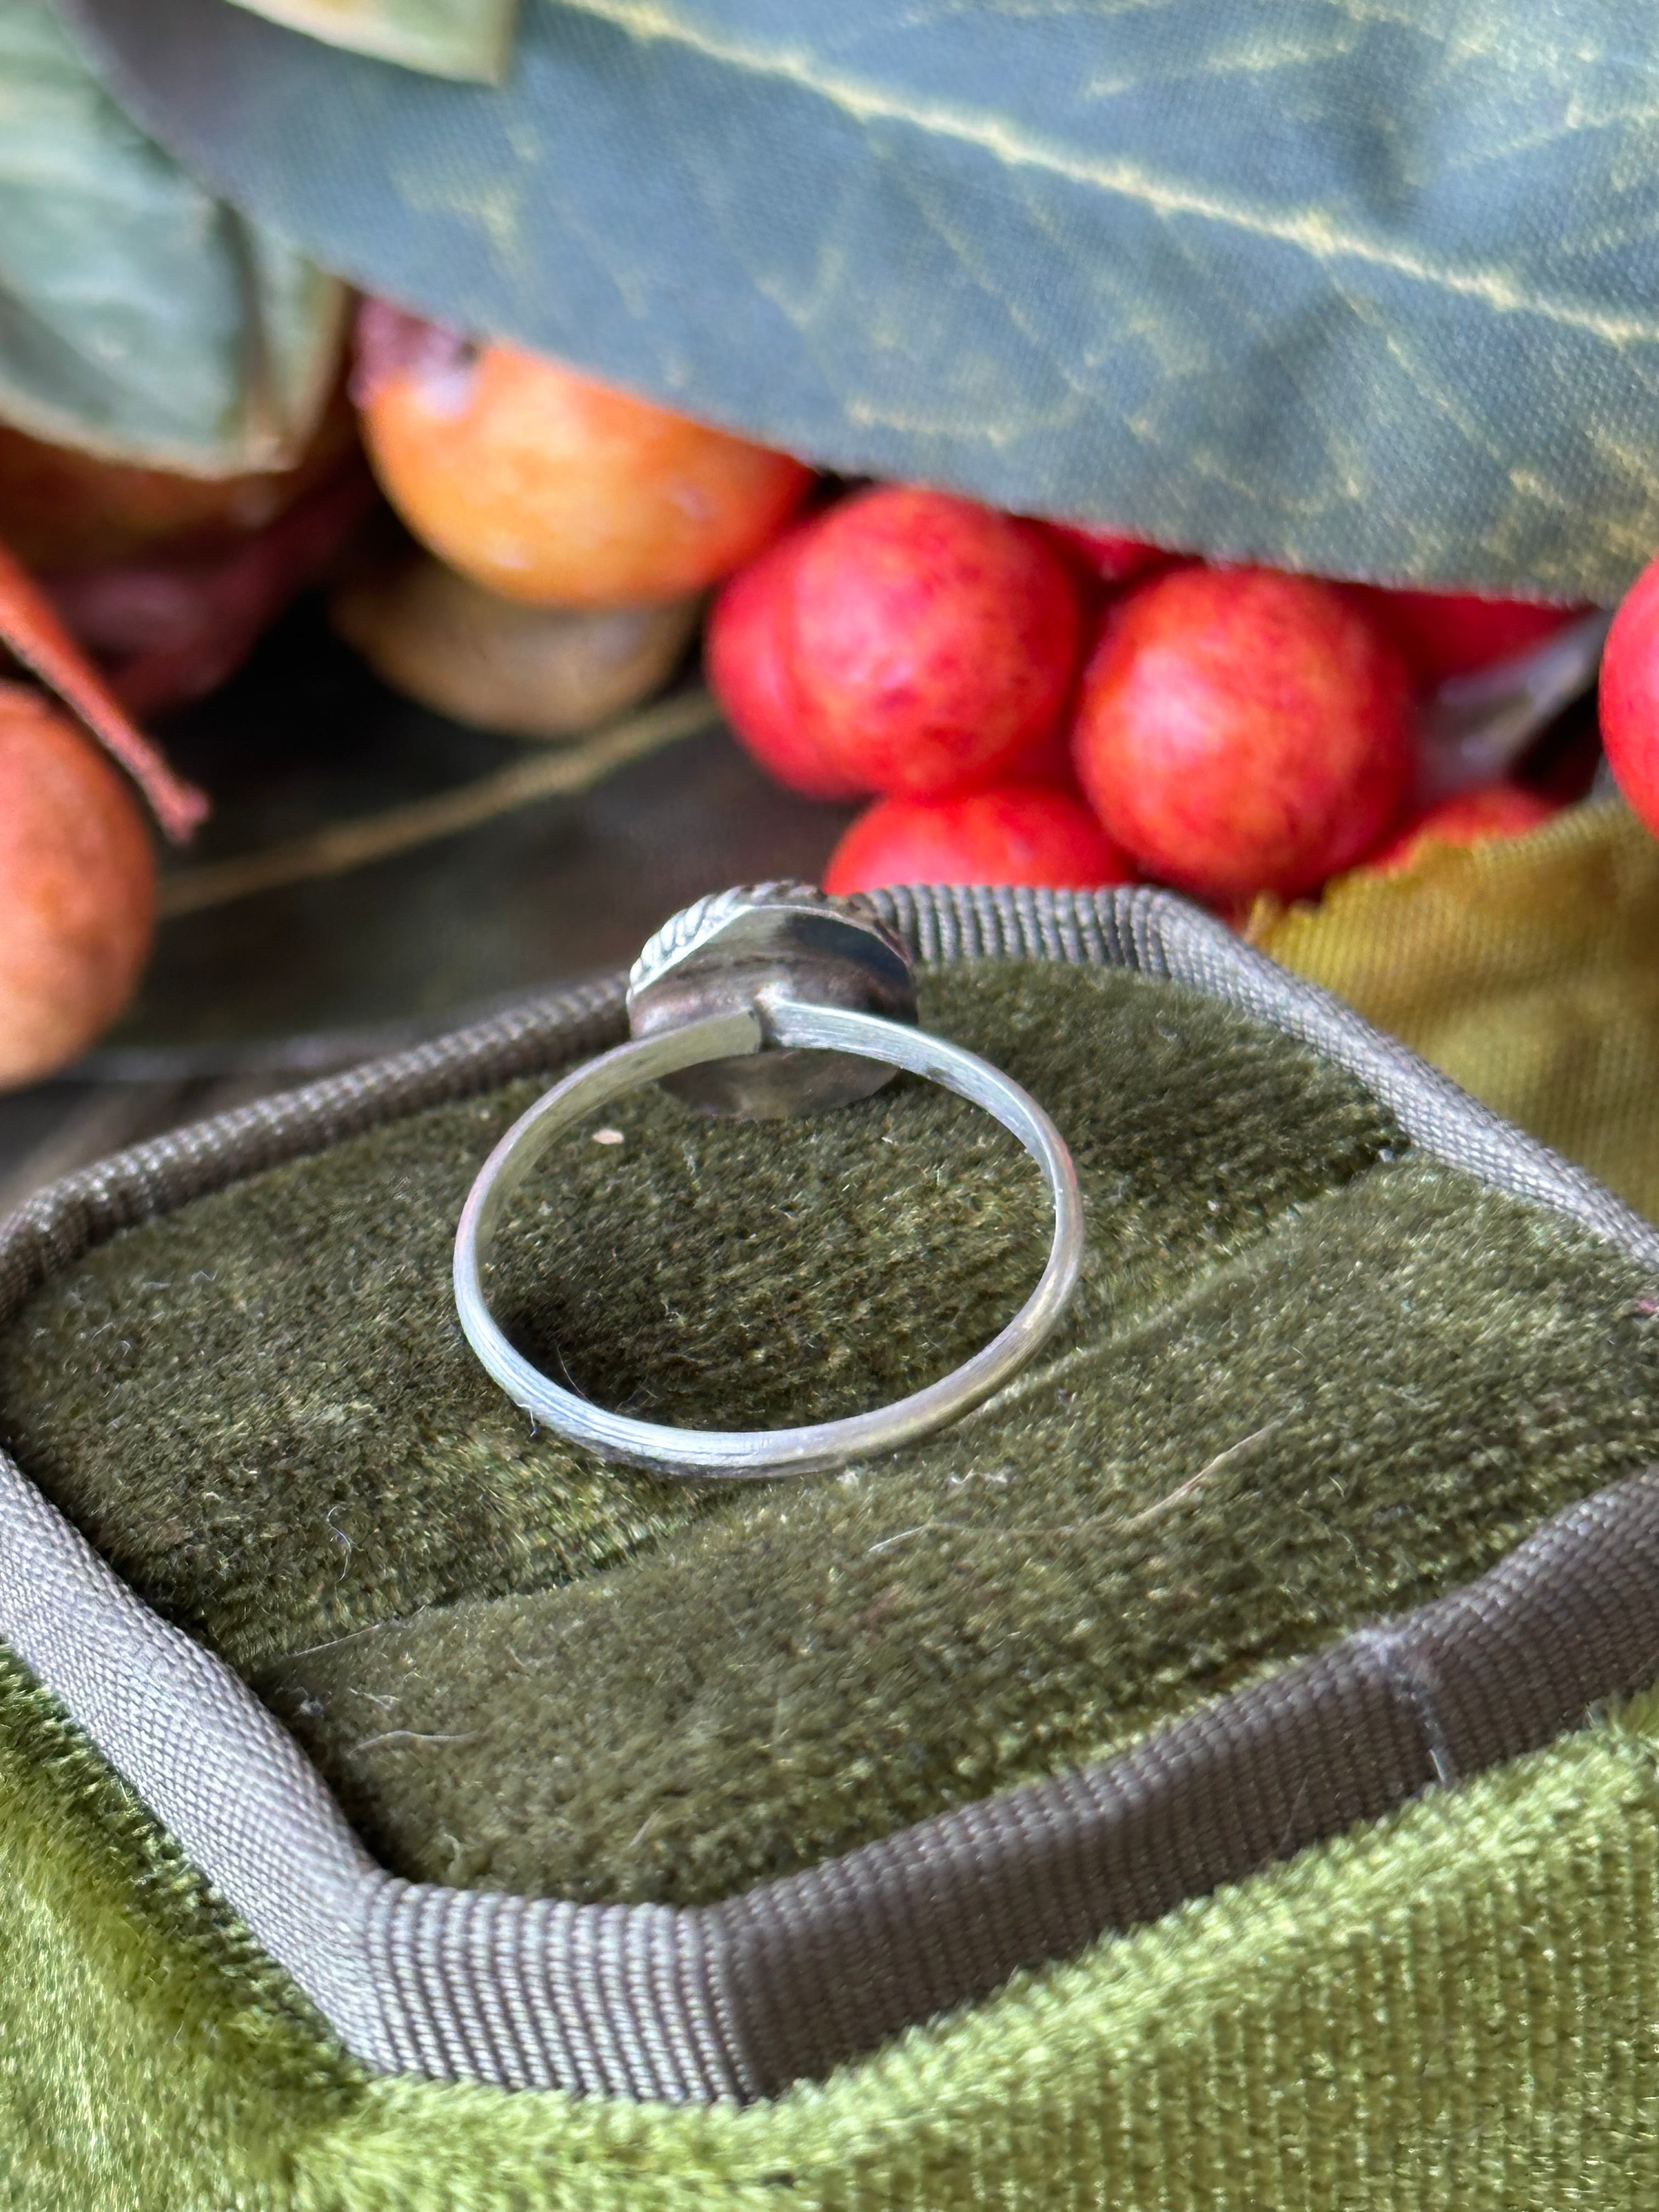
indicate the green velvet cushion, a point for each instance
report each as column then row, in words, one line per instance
column 1451, row 2010
column 1310, row 1378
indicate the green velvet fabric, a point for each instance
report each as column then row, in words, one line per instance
column 1309, row 1378
column 1451, row 2010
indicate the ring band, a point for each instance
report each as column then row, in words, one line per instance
column 735, row 1454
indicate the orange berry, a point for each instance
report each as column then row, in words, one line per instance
column 77, row 888
column 546, row 487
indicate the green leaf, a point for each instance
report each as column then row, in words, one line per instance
column 1371, row 290
column 449, row 37
column 141, row 318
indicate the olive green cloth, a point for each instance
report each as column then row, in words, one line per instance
column 1528, row 968
column 1309, row 1379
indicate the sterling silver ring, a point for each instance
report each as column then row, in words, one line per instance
column 750, row 1003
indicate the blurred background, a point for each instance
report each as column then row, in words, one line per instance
column 474, row 479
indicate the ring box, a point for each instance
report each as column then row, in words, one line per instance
column 1216, row 1771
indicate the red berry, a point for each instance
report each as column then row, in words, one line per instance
column 1113, row 559
column 1444, row 634
column 935, row 642
column 1004, row 833
column 746, row 656
column 1629, row 696
column 1241, row 730
column 1050, row 762
column 1498, row 810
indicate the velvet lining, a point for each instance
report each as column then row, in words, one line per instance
column 1309, row 1378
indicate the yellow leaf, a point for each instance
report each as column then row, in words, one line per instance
column 1527, row 968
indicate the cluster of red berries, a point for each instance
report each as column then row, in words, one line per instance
column 1026, row 702
column 1035, row 704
